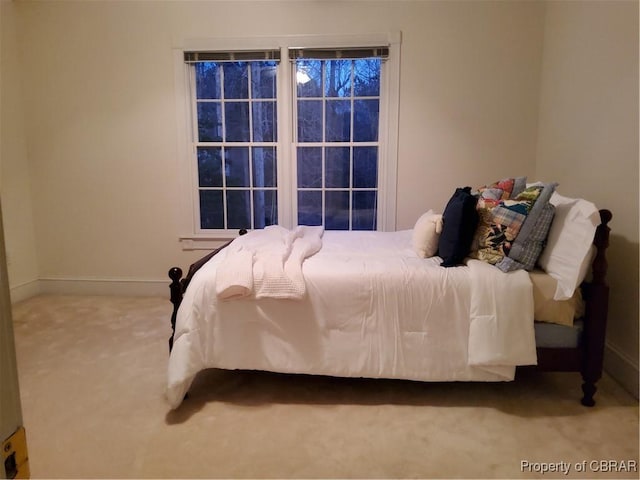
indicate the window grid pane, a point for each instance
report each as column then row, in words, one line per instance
column 236, row 144
column 337, row 106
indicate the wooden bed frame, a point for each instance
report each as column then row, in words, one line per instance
column 587, row 358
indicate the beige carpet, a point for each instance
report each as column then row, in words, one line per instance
column 92, row 373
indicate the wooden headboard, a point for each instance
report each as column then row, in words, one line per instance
column 588, row 357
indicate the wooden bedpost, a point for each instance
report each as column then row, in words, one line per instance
column 175, row 274
column 597, row 298
column 179, row 285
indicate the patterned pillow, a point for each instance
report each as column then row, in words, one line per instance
column 501, row 224
column 526, row 250
column 491, row 195
column 519, row 184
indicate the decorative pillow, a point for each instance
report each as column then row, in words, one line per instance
column 526, row 250
column 501, row 224
column 491, row 195
column 426, row 234
column 519, row 184
column 568, row 252
column 459, row 222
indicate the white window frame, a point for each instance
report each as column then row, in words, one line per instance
column 192, row 237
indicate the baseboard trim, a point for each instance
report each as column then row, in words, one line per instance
column 104, row 286
column 24, row 291
column 621, row 368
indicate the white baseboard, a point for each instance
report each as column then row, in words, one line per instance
column 621, row 368
column 91, row 286
column 26, row 290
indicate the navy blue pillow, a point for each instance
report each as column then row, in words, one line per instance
column 460, row 220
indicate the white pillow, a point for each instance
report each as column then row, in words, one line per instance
column 568, row 252
column 426, row 234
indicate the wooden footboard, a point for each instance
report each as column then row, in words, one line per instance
column 179, row 285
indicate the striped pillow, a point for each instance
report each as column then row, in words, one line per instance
column 525, row 251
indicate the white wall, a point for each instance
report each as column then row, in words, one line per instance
column 15, row 182
column 588, row 142
column 99, row 107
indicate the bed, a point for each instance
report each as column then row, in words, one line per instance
column 448, row 300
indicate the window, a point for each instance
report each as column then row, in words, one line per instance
column 337, row 141
column 235, row 129
column 309, row 141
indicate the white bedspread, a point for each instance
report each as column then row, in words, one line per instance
column 372, row 308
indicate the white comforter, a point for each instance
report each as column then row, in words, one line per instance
column 372, row 308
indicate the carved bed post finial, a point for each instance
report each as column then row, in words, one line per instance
column 601, row 242
column 175, row 274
